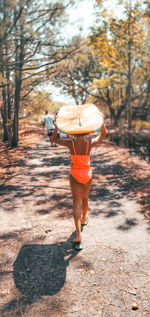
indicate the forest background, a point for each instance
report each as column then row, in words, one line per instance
column 110, row 67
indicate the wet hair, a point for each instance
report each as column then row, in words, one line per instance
column 81, row 134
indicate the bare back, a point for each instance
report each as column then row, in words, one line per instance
column 80, row 142
column 81, row 147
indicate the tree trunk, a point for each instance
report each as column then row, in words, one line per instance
column 129, row 114
column 16, row 114
column 9, row 109
column 111, row 109
column 4, row 116
column 4, row 94
column 18, row 83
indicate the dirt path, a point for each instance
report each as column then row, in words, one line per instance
column 41, row 275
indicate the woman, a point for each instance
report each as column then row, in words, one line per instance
column 80, row 176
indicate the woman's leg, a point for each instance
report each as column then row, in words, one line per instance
column 85, row 192
column 76, row 189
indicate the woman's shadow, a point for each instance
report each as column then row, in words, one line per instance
column 40, row 270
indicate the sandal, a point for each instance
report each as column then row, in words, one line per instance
column 77, row 245
column 86, row 222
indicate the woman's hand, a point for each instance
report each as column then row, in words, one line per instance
column 100, row 137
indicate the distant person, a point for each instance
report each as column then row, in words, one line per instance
column 80, row 176
column 48, row 121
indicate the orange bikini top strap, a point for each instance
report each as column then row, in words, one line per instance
column 87, row 147
column 74, row 147
column 75, row 150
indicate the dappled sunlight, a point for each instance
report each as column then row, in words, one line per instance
column 36, row 205
column 57, row 57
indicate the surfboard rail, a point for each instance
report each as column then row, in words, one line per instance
column 79, row 119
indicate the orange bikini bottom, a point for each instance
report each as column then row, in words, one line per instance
column 82, row 175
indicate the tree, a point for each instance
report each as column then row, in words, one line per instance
column 34, row 105
column 29, row 46
column 75, row 74
column 118, row 45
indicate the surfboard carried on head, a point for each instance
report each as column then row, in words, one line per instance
column 79, row 119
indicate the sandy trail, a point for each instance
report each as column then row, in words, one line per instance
column 40, row 273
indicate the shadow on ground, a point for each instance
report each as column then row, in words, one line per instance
column 40, row 270
column 121, row 177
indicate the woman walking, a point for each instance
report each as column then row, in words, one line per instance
column 80, row 176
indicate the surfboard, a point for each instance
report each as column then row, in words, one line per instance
column 79, row 119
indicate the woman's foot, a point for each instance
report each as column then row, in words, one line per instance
column 77, row 245
column 85, row 221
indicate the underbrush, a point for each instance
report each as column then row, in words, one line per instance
column 139, row 125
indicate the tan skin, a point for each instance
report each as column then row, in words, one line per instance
column 79, row 191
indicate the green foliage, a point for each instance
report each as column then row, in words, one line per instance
column 29, row 47
column 111, row 43
column 140, row 125
column 74, row 74
column 35, row 104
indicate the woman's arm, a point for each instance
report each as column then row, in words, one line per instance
column 100, row 137
column 56, row 139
